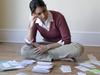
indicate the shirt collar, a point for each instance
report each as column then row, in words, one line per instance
column 49, row 19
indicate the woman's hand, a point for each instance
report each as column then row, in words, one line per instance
column 32, row 21
column 41, row 49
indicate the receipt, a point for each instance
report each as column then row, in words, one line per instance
column 65, row 68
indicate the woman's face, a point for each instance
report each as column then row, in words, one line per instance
column 41, row 13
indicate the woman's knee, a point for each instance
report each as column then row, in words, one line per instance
column 79, row 49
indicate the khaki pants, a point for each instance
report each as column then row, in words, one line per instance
column 73, row 50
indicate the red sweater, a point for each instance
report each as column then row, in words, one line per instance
column 58, row 29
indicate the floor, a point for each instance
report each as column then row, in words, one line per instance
column 11, row 51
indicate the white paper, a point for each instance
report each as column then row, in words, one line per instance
column 27, row 62
column 88, row 65
column 42, row 67
column 5, row 65
column 84, row 69
column 11, row 64
column 92, row 57
column 21, row 73
column 45, row 63
column 96, row 63
column 81, row 73
column 40, row 70
column 65, row 68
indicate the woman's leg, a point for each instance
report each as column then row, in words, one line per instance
column 73, row 50
column 29, row 52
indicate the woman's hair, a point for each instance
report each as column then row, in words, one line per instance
column 35, row 3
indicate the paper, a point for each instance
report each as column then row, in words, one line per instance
column 41, row 70
column 43, row 67
column 95, row 71
column 93, row 60
column 45, row 63
column 27, row 62
column 65, row 68
column 21, row 73
column 11, row 65
column 88, row 65
column 84, row 69
column 92, row 57
column 81, row 73
column 96, row 63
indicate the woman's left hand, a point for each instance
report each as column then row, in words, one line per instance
column 41, row 49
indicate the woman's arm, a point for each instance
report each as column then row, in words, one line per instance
column 31, row 33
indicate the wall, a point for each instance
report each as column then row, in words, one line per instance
column 82, row 17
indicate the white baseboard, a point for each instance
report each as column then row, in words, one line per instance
column 85, row 38
column 12, row 35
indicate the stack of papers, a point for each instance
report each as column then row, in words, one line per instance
column 93, row 60
column 27, row 62
column 95, row 71
column 81, row 68
column 12, row 65
column 81, row 73
column 43, row 67
column 88, row 65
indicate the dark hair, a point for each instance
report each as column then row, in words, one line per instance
column 35, row 3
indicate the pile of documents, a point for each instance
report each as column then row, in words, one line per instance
column 12, row 64
column 89, row 66
column 43, row 67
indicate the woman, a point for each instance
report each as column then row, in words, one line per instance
column 54, row 29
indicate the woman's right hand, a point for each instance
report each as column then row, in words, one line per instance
column 32, row 21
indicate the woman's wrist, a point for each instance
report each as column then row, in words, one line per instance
column 47, row 47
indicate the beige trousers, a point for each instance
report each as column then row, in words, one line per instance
column 73, row 50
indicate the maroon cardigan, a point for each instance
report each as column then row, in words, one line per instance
column 58, row 30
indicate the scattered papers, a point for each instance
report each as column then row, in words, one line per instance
column 95, row 71
column 21, row 73
column 12, row 65
column 44, row 63
column 65, row 68
column 93, row 60
column 81, row 73
column 84, row 69
column 27, row 62
column 96, row 63
column 92, row 57
column 88, row 65
column 43, row 67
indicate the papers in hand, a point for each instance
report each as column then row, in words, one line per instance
column 43, row 67
column 65, row 68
